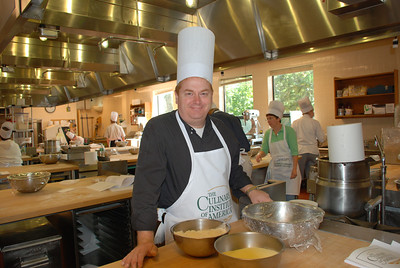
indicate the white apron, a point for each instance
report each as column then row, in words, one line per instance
column 207, row 194
column 280, row 167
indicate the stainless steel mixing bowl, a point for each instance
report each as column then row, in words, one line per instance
column 293, row 223
column 49, row 158
column 29, row 182
column 198, row 247
column 248, row 240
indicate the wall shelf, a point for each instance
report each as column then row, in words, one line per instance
column 356, row 103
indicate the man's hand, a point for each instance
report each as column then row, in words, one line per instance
column 145, row 248
column 258, row 196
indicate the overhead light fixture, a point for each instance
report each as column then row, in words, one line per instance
column 191, row 3
column 48, row 32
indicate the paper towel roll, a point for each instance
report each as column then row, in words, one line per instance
column 345, row 143
column 90, row 158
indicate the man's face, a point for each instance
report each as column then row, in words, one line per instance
column 194, row 99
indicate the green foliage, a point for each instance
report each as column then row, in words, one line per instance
column 289, row 88
column 238, row 97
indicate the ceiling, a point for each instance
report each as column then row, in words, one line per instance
column 72, row 64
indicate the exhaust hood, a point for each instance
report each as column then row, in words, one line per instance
column 74, row 64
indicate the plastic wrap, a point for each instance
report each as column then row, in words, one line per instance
column 295, row 224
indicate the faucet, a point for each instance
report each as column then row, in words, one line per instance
column 383, row 171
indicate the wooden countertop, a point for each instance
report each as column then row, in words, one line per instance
column 17, row 206
column 335, row 249
column 52, row 168
column 131, row 158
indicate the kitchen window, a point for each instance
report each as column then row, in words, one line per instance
column 289, row 86
column 238, row 94
column 163, row 102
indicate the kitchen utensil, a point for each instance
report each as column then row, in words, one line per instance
column 248, row 240
column 29, row 182
column 49, row 158
column 397, row 182
column 121, row 143
column 134, row 150
column 293, row 223
column 197, row 247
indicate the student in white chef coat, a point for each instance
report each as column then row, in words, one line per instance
column 281, row 142
column 114, row 132
column 188, row 162
column 77, row 140
column 309, row 133
column 10, row 153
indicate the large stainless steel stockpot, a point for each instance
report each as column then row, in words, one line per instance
column 343, row 188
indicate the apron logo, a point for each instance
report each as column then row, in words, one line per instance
column 215, row 205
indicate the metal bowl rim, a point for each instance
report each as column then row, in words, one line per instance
column 32, row 175
column 320, row 212
column 228, row 228
column 249, row 233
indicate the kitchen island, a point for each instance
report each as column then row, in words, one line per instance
column 335, row 249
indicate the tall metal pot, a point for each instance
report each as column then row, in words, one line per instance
column 343, row 188
column 52, row 146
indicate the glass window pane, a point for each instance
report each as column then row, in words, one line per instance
column 164, row 102
column 238, row 97
column 290, row 87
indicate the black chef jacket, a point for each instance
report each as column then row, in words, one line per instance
column 164, row 165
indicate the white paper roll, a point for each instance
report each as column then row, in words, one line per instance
column 90, row 158
column 195, row 53
column 345, row 143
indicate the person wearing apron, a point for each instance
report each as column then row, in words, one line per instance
column 283, row 165
column 187, row 163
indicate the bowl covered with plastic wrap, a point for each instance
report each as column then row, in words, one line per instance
column 294, row 223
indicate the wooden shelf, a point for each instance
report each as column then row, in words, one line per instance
column 356, row 103
column 364, row 116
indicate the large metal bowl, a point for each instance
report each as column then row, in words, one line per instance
column 293, row 223
column 134, row 150
column 198, row 247
column 49, row 158
column 29, row 182
column 248, row 240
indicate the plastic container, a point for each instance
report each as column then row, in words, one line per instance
column 21, row 121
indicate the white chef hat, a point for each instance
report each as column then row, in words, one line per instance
column 70, row 135
column 195, row 53
column 305, row 105
column 276, row 108
column 114, row 116
column 6, row 130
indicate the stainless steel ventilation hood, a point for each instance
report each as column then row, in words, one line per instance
column 74, row 62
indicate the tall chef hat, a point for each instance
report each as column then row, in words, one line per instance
column 305, row 105
column 195, row 53
column 114, row 116
column 6, row 130
column 276, row 108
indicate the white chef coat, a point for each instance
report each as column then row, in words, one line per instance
column 207, row 194
column 114, row 132
column 309, row 132
column 10, row 154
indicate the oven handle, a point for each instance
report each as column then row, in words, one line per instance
column 42, row 259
